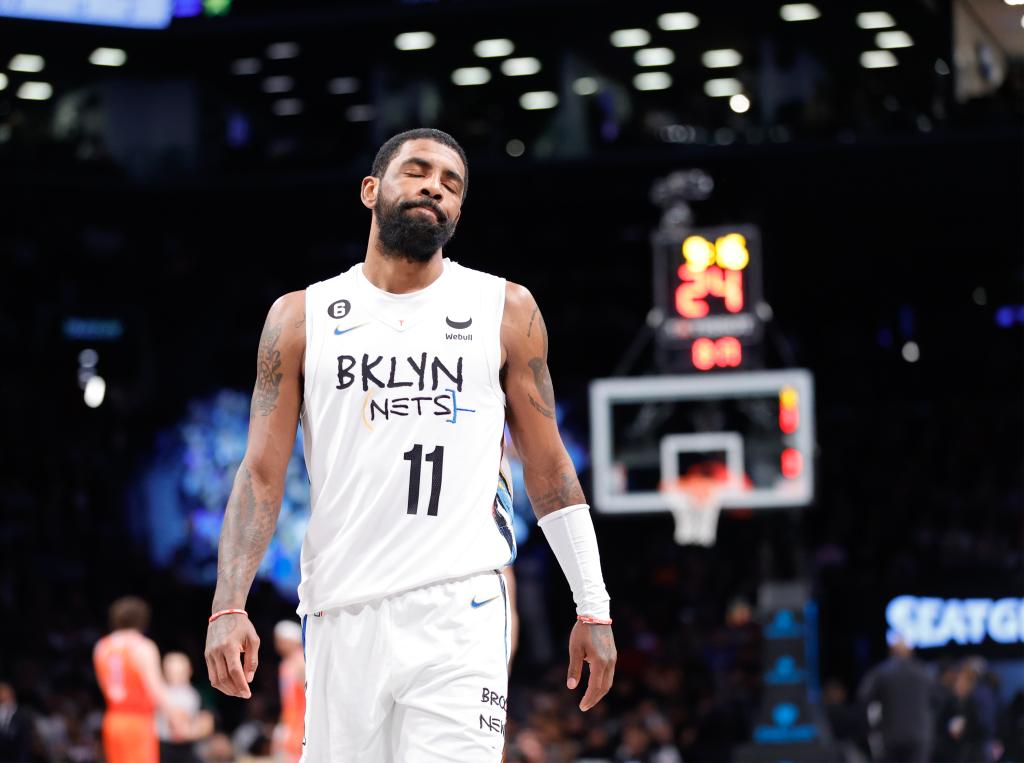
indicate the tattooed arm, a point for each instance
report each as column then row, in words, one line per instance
column 551, row 480
column 252, row 510
column 554, row 488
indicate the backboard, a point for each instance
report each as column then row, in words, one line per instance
column 755, row 429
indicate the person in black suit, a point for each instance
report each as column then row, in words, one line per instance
column 15, row 726
column 905, row 690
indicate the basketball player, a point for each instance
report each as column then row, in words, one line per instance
column 403, row 370
column 128, row 670
column 292, row 679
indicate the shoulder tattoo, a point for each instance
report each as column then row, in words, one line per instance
column 268, row 375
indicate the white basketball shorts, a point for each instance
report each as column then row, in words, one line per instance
column 420, row 676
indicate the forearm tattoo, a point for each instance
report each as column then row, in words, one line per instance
column 563, row 489
column 268, row 375
column 249, row 523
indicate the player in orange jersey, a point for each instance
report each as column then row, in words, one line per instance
column 128, row 670
column 292, row 674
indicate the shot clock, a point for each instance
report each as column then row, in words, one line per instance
column 708, row 288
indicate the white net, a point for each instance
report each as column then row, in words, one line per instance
column 695, row 506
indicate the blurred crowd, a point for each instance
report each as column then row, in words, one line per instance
column 687, row 688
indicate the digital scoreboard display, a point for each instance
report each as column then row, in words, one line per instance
column 708, row 288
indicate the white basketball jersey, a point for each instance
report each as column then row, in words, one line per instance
column 403, row 420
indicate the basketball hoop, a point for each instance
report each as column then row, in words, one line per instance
column 695, row 502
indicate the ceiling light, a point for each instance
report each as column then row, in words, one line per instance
column 3, row 81
column 95, row 391
column 287, row 107
column 342, row 85
column 26, row 62
column 35, row 91
column 1015, row 2
column 107, row 57
column 630, row 38
column 585, row 86
column 895, row 39
column 723, row 88
column 415, row 41
column 493, row 48
column 876, row 20
column 652, row 81
column 364, row 112
column 720, row 59
column 282, row 50
column 676, row 22
column 654, row 57
column 515, row 148
column 520, row 67
column 799, row 12
column 739, row 103
column 278, row 84
column 877, row 59
column 539, row 99
column 242, row 66
column 471, row 75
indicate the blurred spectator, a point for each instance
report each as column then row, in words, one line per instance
column 663, row 747
column 904, row 690
column 290, row 731
column 183, row 695
column 51, row 729
column 636, row 744
column 527, row 748
column 128, row 670
column 81, row 746
column 986, row 699
column 218, row 749
column 1013, row 728
column 961, row 734
column 845, row 720
column 253, row 735
column 15, row 726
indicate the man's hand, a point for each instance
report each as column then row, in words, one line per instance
column 227, row 637
column 179, row 725
column 595, row 645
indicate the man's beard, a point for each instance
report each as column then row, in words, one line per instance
column 413, row 235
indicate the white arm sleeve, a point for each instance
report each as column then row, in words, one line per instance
column 570, row 533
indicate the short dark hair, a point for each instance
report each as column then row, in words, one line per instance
column 129, row 612
column 394, row 143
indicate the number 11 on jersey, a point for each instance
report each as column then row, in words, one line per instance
column 436, row 458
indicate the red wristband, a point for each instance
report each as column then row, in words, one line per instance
column 593, row 620
column 222, row 612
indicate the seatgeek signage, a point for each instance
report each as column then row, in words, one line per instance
column 931, row 622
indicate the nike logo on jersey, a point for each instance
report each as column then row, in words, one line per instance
column 458, row 324
column 476, row 603
column 337, row 331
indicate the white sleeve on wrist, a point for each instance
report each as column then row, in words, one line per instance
column 570, row 533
